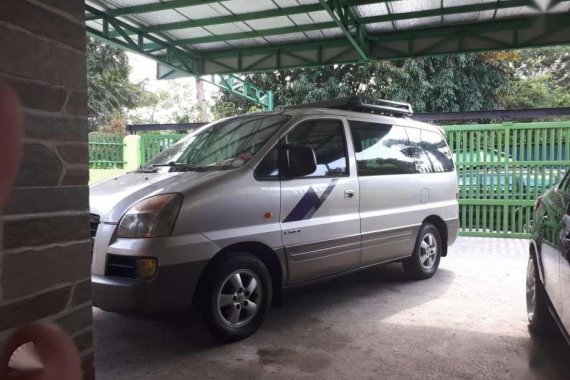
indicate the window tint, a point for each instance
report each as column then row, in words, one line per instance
column 423, row 163
column 382, row 149
column 326, row 138
column 437, row 150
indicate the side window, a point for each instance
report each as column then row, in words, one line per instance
column 268, row 168
column 437, row 150
column 423, row 163
column 382, row 149
column 326, row 138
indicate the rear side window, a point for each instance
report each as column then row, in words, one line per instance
column 382, row 149
column 436, row 148
column 423, row 162
column 327, row 139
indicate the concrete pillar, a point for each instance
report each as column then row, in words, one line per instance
column 45, row 254
column 132, row 152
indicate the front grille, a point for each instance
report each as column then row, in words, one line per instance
column 94, row 220
column 121, row 266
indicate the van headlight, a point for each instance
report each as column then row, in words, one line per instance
column 152, row 217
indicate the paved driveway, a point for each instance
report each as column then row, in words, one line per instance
column 467, row 322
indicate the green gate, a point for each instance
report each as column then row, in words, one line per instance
column 502, row 169
column 106, row 150
column 153, row 145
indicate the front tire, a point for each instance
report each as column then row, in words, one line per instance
column 237, row 295
column 539, row 317
column 427, row 254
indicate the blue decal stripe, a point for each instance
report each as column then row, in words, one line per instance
column 309, row 204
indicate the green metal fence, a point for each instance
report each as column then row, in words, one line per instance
column 502, row 168
column 152, row 145
column 105, row 151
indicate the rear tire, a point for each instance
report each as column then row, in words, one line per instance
column 539, row 317
column 236, row 296
column 427, row 254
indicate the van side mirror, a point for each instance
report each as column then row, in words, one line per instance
column 298, row 161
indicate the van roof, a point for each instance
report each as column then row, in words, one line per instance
column 384, row 119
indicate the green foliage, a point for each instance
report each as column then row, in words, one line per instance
column 536, row 92
column 541, row 79
column 109, row 90
column 448, row 83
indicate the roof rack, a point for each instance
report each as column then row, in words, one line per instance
column 363, row 104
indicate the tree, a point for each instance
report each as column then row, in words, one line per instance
column 461, row 82
column 541, row 79
column 109, row 90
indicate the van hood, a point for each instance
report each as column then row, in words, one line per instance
column 112, row 198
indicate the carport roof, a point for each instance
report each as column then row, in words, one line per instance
column 200, row 37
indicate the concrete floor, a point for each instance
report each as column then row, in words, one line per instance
column 467, row 322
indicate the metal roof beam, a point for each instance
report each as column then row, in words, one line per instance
column 174, row 58
column 549, row 29
column 365, row 20
column 348, row 22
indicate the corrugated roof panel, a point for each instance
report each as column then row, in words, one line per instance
column 189, row 33
column 412, row 6
column 230, row 28
column 270, row 23
column 456, row 3
column 197, row 12
column 468, row 17
column 562, row 7
column 332, row 32
column 124, row 3
column 418, row 23
column 247, row 6
column 514, row 12
column 315, row 34
column 95, row 25
column 161, row 17
column 379, row 27
column 302, row 19
column 306, row 2
column 289, row 37
column 315, row 17
column 211, row 46
column 257, row 41
column 286, row 3
column 370, row 10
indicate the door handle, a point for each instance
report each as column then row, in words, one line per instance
column 349, row 194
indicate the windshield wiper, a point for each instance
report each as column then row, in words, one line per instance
column 145, row 169
column 181, row 165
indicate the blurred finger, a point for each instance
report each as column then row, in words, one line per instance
column 40, row 352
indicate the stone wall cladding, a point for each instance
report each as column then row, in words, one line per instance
column 45, row 253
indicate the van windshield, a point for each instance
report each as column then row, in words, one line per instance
column 223, row 145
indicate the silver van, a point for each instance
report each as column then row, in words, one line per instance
column 245, row 207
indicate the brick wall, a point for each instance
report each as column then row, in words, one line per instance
column 45, row 259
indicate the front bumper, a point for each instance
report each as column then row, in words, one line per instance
column 181, row 260
column 171, row 291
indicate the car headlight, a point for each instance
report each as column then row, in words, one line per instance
column 152, row 217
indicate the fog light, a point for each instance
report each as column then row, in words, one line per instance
column 147, row 268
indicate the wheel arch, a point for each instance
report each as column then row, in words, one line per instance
column 263, row 252
column 439, row 223
column 534, row 250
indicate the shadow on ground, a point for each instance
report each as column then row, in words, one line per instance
column 373, row 324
